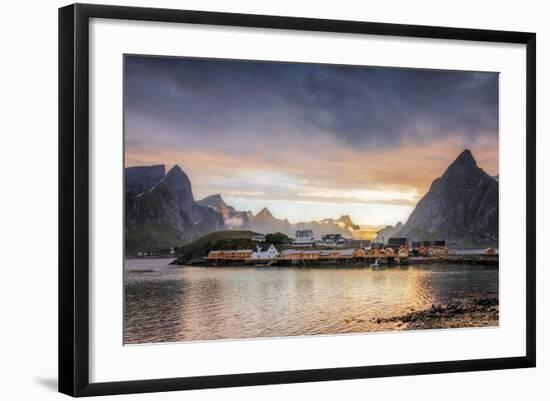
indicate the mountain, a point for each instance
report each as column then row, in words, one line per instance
column 232, row 218
column 345, row 222
column 264, row 222
column 161, row 214
column 217, row 203
column 389, row 231
column 139, row 179
column 343, row 225
column 461, row 207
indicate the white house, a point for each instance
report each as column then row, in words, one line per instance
column 333, row 239
column 258, row 238
column 265, row 251
column 304, row 237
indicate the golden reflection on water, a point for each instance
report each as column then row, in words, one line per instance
column 182, row 304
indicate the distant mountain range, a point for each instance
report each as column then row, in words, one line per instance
column 460, row 207
column 264, row 222
column 161, row 211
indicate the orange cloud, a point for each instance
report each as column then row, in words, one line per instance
column 324, row 166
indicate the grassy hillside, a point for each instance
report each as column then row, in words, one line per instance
column 218, row 240
column 150, row 237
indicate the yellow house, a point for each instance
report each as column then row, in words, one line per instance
column 438, row 251
column 224, row 254
column 359, row 253
column 403, row 252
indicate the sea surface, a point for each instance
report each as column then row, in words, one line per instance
column 164, row 303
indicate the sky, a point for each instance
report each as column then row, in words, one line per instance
column 308, row 141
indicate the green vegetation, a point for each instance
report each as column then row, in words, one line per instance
column 149, row 234
column 150, row 237
column 230, row 240
column 277, row 238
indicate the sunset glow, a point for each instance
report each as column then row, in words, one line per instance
column 308, row 141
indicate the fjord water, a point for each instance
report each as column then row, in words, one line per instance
column 169, row 304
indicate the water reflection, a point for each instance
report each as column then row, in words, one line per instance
column 181, row 304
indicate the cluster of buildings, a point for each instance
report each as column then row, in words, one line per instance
column 416, row 248
column 430, row 248
column 297, row 254
column 306, row 238
column 341, row 248
column 262, row 251
column 268, row 251
column 334, row 247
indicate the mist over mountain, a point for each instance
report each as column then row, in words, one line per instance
column 265, row 222
column 343, row 225
column 389, row 231
column 232, row 218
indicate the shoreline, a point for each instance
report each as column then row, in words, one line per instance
column 485, row 261
column 366, row 261
column 479, row 312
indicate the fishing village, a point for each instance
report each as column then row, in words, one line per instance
column 335, row 250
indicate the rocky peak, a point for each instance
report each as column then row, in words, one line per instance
column 346, row 220
column 215, row 198
column 179, row 185
column 176, row 171
column 461, row 205
column 142, row 178
column 216, row 202
column 166, row 214
column 463, row 168
column 264, row 214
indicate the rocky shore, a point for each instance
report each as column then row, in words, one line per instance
column 481, row 312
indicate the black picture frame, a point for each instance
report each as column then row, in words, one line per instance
column 74, row 198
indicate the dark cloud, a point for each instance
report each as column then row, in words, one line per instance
column 308, row 140
column 186, row 101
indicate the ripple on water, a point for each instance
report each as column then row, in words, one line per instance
column 166, row 304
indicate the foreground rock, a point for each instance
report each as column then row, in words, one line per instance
column 482, row 312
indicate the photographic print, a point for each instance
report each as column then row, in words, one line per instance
column 276, row 199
